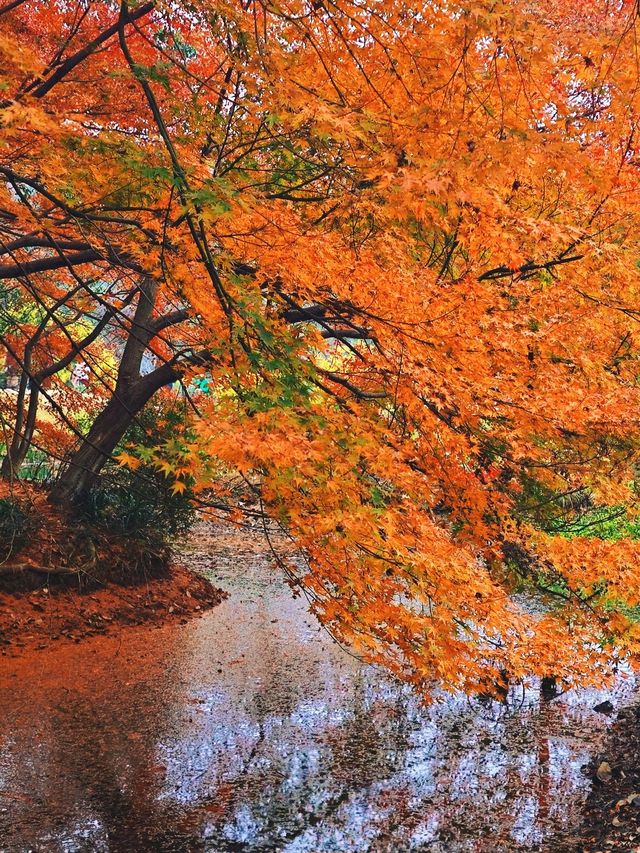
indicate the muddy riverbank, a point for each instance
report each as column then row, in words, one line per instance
column 249, row 730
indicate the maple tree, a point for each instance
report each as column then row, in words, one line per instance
column 400, row 241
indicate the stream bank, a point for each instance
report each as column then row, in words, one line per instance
column 62, row 578
column 611, row 815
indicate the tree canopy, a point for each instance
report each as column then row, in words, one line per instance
column 400, row 241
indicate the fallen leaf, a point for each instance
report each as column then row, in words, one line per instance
column 604, row 772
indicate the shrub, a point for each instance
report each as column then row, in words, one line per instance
column 15, row 522
column 141, row 503
column 138, row 503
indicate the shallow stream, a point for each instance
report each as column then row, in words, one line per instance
column 249, row 730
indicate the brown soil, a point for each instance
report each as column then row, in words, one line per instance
column 65, row 580
column 38, row 618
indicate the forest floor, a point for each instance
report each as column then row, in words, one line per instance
column 63, row 580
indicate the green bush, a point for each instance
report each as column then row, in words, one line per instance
column 138, row 503
column 15, row 522
column 141, row 503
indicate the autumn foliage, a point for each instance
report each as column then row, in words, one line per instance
column 401, row 241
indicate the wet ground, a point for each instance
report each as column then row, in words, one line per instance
column 248, row 730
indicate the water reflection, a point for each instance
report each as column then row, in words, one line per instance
column 248, row 730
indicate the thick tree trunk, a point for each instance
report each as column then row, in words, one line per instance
column 131, row 394
column 84, row 467
column 12, row 462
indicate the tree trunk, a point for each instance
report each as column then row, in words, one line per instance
column 20, row 444
column 85, row 465
column 83, row 469
column 132, row 392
